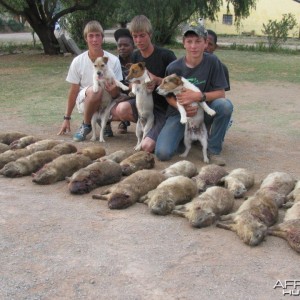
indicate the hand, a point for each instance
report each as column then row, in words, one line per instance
column 150, row 86
column 65, row 128
column 187, row 97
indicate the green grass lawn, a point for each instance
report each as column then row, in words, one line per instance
column 39, row 80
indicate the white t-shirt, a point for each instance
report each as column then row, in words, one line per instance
column 81, row 69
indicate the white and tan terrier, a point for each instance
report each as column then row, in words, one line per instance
column 139, row 77
column 195, row 129
column 103, row 74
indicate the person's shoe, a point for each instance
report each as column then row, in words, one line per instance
column 108, row 131
column 122, row 128
column 216, row 159
column 82, row 132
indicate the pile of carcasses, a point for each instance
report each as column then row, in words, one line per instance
column 204, row 197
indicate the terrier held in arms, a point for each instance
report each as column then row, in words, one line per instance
column 195, row 129
column 144, row 101
column 103, row 74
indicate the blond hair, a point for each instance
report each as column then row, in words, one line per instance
column 140, row 23
column 92, row 26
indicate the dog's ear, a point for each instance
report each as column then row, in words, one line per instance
column 105, row 59
column 142, row 64
column 127, row 66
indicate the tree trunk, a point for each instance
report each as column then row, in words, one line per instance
column 48, row 39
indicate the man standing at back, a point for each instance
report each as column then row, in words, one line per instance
column 156, row 59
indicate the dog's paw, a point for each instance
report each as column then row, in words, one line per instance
column 101, row 140
column 138, row 148
column 183, row 155
column 93, row 138
column 131, row 94
column 183, row 120
column 211, row 112
column 95, row 89
column 206, row 160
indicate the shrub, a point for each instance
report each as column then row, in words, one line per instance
column 277, row 31
column 2, row 24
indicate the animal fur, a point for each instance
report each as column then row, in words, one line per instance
column 238, row 181
column 173, row 191
column 12, row 155
column 131, row 189
column 293, row 196
column 183, row 167
column 205, row 209
column 195, row 129
column 280, row 182
column 27, row 165
column 23, row 142
column 144, row 101
column 60, row 168
column 137, row 161
column 209, row 175
column 3, row 147
column 8, row 137
column 93, row 152
column 116, row 156
column 252, row 219
column 288, row 230
column 94, row 175
column 103, row 74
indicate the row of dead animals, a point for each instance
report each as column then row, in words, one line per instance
column 179, row 189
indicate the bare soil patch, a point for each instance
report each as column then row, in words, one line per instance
column 60, row 246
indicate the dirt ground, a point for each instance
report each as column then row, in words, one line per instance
column 55, row 245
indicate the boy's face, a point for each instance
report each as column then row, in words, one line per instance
column 194, row 45
column 94, row 40
column 211, row 45
column 124, row 47
column 142, row 40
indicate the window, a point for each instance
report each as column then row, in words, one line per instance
column 227, row 19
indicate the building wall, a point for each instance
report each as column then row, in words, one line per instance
column 265, row 10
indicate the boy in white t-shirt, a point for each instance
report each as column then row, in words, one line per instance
column 80, row 76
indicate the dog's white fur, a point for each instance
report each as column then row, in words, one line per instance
column 195, row 129
column 102, row 74
column 144, row 101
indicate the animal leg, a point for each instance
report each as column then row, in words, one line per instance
column 95, row 84
column 179, row 210
column 187, row 144
column 121, row 85
column 227, row 226
column 148, row 125
column 207, row 109
column 139, row 134
column 183, row 117
column 103, row 196
column 104, row 119
column 203, row 141
column 94, row 125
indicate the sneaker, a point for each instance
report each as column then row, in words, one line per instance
column 122, row 128
column 108, row 131
column 216, row 159
column 83, row 131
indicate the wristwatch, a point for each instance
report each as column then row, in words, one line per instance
column 67, row 118
column 203, row 98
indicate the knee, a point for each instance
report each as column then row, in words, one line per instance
column 225, row 108
column 123, row 110
column 163, row 154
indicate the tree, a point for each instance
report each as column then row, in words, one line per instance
column 167, row 15
column 42, row 16
column 277, row 31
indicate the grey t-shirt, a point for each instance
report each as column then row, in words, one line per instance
column 207, row 76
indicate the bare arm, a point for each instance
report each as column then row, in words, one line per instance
column 73, row 93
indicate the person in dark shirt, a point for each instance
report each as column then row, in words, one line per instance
column 206, row 72
column 156, row 59
column 212, row 45
column 125, row 47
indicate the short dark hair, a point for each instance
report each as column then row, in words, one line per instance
column 213, row 34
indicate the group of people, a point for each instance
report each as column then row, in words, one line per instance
column 199, row 66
